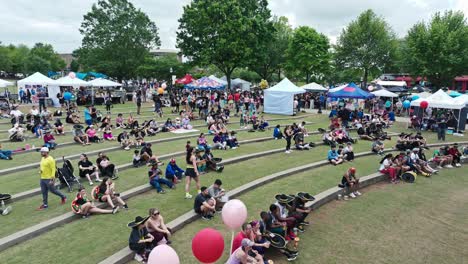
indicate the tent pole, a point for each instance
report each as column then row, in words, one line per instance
column 459, row 118
column 92, row 95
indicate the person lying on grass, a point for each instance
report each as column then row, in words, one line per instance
column 333, row 156
column 204, row 204
column 155, row 178
column 84, row 207
column 157, row 228
column 105, row 193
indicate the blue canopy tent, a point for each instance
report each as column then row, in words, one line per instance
column 205, row 83
column 351, row 91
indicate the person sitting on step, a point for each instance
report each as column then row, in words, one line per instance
column 442, row 161
column 173, row 172
column 351, row 183
column 155, row 178
column 105, row 193
column 333, row 156
column 277, row 132
column 157, row 228
column 204, row 205
column 84, row 207
column 140, row 240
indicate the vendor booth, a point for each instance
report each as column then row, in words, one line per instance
column 205, row 83
column 279, row 99
column 218, row 80
column 37, row 80
column 106, row 86
column 242, row 84
column 351, row 91
column 314, row 87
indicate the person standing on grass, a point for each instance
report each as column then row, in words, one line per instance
column 191, row 172
column 288, row 133
column 138, row 101
column 47, row 182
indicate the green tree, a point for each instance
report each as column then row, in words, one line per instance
column 5, row 58
column 224, row 33
column 366, row 44
column 160, row 68
column 74, row 65
column 438, row 50
column 35, row 63
column 271, row 57
column 47, row 53
column 117, row 37
column 19, row 56
column 308, row 53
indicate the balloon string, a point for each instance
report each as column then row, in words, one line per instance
column 232, row 240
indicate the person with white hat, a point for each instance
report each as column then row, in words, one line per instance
column 245, row 254
column 47, row 172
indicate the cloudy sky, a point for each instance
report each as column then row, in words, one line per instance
column 57, row 22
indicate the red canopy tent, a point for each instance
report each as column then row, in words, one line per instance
column 460, row 83
column 185, row 80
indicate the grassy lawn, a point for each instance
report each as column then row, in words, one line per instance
column 172, row 204
column 398, row 215
column 90, row 232
column 18, row 182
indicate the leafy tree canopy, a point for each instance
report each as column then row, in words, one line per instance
column 224, row 33
column 117, row 38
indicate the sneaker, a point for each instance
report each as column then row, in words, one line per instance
column 199, row 191
column 162, row 192
column 300, row 229
column 125, row 206
column 352, row 195
column 457, row 165
column 7, row 210
column 138, row 258
column 233, row 147
column 290, row 257
column 439, row 167
column 357, row 193
column 346, row 198
column 98, row 180
column 449, row 166
column 305, row 223
column 188, row 196
column 90, row 183
column 287, row 152
column 115, row 210
column 63, row 200
column 114, row 177
column 42, row 207
column 206, row 217
column 127, row 148
column 435, row 171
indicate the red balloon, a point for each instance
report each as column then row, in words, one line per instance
column 424, row 104
column 208, row 245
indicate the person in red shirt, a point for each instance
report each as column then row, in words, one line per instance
column 49, row 140
column 245, row 233
column 453, row 151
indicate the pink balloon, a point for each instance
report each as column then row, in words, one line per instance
column 163, row 254
column 72, row 75
column 164, row 86
column 234, row 214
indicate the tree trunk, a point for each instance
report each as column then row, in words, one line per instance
column 364, row 79
column 307, row 78
column 279, row 74
column 228, row 79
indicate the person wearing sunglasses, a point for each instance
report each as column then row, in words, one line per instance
column 157, row 228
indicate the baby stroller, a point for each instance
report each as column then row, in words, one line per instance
column 17, row 137
column 66, row 176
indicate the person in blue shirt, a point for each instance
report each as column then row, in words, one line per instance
column 277, row 132
column 391, row 116
column 333, row 113
column 87, row 117
column 173, row 172
column 333, row 156
column 360, row 114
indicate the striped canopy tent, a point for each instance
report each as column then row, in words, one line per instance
column 205, row 83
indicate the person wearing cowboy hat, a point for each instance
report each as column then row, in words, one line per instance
column 49, row 139
column 280, row 213
column 47, row 173
column 298, row 208
column 79, row 136
column 140, row 240
column 173, row 172
column 155, row 178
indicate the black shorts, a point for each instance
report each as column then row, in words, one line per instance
column 84, row 172
column 190, row 172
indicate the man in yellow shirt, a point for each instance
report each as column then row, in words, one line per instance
column 47, row 173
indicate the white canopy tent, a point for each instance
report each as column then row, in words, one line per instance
column 244, row 85
column 384, row 93
column 279, row 99
column 71, row 82
column 314, row 87
column 100, row 82
column 424, row 95
column 4, row 83
column 440, row 99
column 461, row 99
column 218, row 80
column 40, row 79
